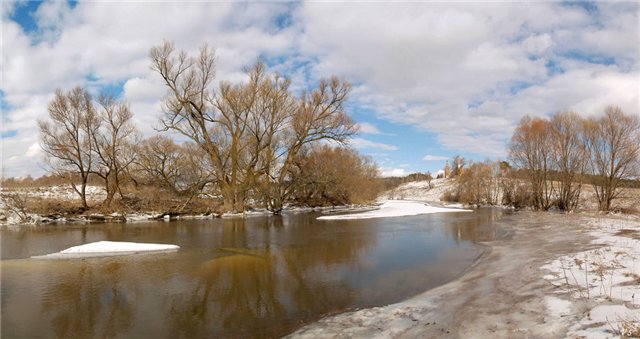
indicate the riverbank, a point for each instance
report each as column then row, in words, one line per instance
column 516, row 290
column 59, row 205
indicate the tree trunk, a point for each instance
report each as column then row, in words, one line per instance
column 111, row 188
column 83, row 195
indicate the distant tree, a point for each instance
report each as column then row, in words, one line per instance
column 67, row 137
column 613, row 145
column 478, row 184
column 531, row 150
column 505, row 166
column 457, row 166
column 569, row 156
column 429, row 179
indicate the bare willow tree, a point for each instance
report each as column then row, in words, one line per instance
column 114, row 144
column 250, row 131
column 613, row 143
column 66, row 138
column 480, row 183
column 179, row 169
column 569, row 157
column 334, row 175
column 316, row 115
column 530, row 149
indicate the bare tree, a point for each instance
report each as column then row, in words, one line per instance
column 192, row 108
column 530, row 149
column 479, row 183
column 318, row 115
column 457, row 166
column 180, row 169
column 613, row 143
column 429, row 178
column 66, row 138
column 325, row 175
column 569, row 157
column 250, row 132
column 114, row 144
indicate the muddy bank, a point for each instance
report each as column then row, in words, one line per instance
column 503, row 296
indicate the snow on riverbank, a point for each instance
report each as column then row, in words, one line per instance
column 394, row 208
column 109, row 248
column 606, row 278
column 420, row 190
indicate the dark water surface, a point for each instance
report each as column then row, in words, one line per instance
column 257, row 277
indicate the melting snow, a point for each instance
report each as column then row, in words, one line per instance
column 109, row 248
column 608, row 277
column 394, row 208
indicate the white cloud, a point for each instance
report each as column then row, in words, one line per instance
column 367, row 128
column 434, row 158
column 361, row 143
column 99, row 43
column 34, row 150
column 469, row 72
column 393, row 172
column 466, row 72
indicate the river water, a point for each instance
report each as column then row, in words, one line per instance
column 254, row 277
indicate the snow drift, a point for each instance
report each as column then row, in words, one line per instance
column 394, row 208
column 109, row 248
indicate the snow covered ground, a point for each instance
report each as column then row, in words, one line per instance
column 607, row 277
column 109, row 248
column 394, row 208
column 9, row 214
column 60, row 192
column 531, row 284
column 420, row 190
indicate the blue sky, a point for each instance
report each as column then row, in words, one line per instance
column 430, row 80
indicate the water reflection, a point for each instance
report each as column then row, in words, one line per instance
column 259, row 277
column 477, row 226
column 88, row 302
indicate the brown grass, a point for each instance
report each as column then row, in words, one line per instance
column 634, row 234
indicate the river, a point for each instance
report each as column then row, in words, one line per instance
column 253, row 277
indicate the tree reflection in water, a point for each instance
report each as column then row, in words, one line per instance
column 477, row 226
column 260, row 288
column 254, row 277
column 88, row 302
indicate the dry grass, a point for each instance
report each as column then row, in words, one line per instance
column 633, row 234
column 626, row 328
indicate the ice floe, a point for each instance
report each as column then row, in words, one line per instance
column 109, row 248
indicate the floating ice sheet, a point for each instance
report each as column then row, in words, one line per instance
column 109, row 248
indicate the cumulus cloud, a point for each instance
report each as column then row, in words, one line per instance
column 361, row 143
column 393, row 172
column 367, row 128
column 98, row 44
column 465, row 72
column 434, row 158
column 469, row 72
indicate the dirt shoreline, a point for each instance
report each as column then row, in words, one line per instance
column 502, row 295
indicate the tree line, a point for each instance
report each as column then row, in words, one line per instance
column 247, row 143
column 551, row 159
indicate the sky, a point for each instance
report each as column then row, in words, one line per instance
column 431, row 80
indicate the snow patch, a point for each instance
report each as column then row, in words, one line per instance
column 420, row 190
column 605, row 321
column 558, row 307
column 394, row 208
column 607, row 277
column 109, row 248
